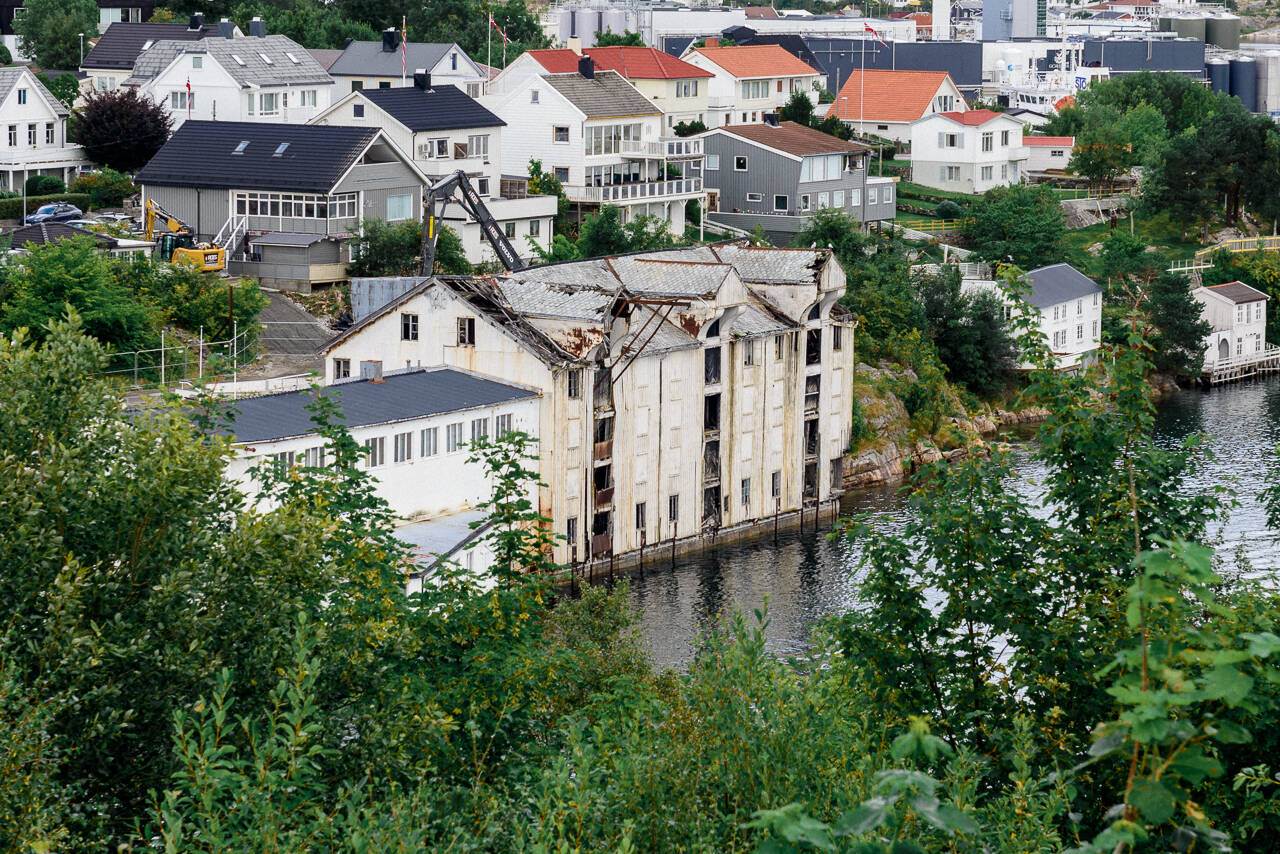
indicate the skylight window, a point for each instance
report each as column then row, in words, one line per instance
column 266, row 59
column 293, row 58
column 244, row 143
column 148, row 44
column 237, row 58
column 280, row 149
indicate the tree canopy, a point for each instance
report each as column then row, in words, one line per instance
column 49, row 31
column 1018, row 224
column 627, row 39
column 394, row 249
column 122, row 129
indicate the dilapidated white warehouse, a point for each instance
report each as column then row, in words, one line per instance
column 685, row 392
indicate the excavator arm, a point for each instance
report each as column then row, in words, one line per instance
column 153, row 212
column 437, row 196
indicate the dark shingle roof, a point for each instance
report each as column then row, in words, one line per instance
column 368, row 59
column 605, row 95
column 202, row 154
column 51, row 232
column 363, row 403
column 121, row 44
column 439, row 108
column 1238, row 292
column 1058, row 283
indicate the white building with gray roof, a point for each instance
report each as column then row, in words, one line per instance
column 33, row 132
column 259, row 78
column 390, row 63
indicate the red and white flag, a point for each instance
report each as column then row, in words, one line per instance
column 494, row 24
column 189, row 98
column 875, row 35
column 404, row 49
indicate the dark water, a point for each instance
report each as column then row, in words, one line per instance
column 806, row 576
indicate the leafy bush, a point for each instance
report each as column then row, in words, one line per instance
column 192, row 299
column 12, row 208
column 106, row 189
column 45, row 185
column 6, row 58
column 385, row 249
column 949, row 210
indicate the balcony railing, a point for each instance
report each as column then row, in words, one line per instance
column 637, row 192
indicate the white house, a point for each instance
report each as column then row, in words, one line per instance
column 686, row 393
column 443, row 130
column 256, row 79
column 885, row 103
column 967, row 152
column 113, row 55
column 1048, row 152
column 1238, row 315
column 602, row 139
column 34, row 126
column 1070, row 305
column 751, row 80
column 390, row 63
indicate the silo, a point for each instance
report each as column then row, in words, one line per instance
column 1223, row 30
column 1219, row 74
column 615, row 20
column 1189, row 27
column 1165, row 24
column 1268, row 82
column 1244, row 81
column 566, row 25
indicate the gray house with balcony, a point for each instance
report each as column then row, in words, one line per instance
column 283, row 200
column 777, row 175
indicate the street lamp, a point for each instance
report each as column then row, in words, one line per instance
column 82, row 48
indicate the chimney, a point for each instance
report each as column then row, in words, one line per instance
column 371, row 370
column 771, row 119
column 197, row 21
column 574, row 44
column 421, row 79
column 226, row 29
column 586, row 67
column 258, row 28
column 713, row 41
column 390, row 40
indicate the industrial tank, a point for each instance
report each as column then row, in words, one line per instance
column 1165, row 23
column 1190, row 27
column 1244, row 82
column 1219, row 74
column 566, row 25
column 1223, row 30
column 615, row 20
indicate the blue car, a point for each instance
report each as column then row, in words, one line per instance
column 56, row 212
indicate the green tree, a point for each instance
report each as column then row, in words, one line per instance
column 106, row 188
column 45, row 185
column 190, row 299
column 122, row 129
column 386, row 249
column 1102, row 151
column 49, row 31
column 6, row 58
column 798, row 109
column 467, row 23
column 1177, row 180
column 689, row 128
column 1020, row 224
column 1145, row 128
column 604, row 234
column 611, row 39
column 308, row 22
column 1068, row 122
column 64, row 87
column 1179, row 330
column 969, row 332
column 547, row 184
column 1181, row 101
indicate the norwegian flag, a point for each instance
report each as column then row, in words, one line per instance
column 875, row 35
column 494, row 24
column 404, row 49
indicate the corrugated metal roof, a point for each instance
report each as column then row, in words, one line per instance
column 762, row 264
column 607, row 94
column 547, row 299
column 1058, row 283
column 592, row 273
column 660, row 278
column 364, row 403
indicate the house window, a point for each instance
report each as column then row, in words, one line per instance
column 399, row 207
column 755, row 197
column 1004, row 172
column 804, row 201
column 403, row 447
column 308, row 97
column 341, row 368
column 430, row 441
column 22, row 96
column 571, row 531
column 837, row 337
column 780, row 203
column 384, row 84
column 673, row 508
column 478, row 145
column 1057, row 152
column 1004, row 137
column 356, row 86
column 466, row 332
column 872, row 197
column 1093, row 329
column 453, row 62
column 453, row 437
column 746, row 491
column 640, row 514
column 48, row 133
column 950, row 173
column 479, row 429
column 950, row 140
column 988, row 141
column 408, row 327
column 282, row 461
column 269, row 104
column 535, row 227
column 855, row 198
column 575, row 384
column 1080, row 332
column 837, row 198
column 482, row 187
column 882, row 127
column 197, row 62
column 824, row 200
column 533, row 96
column 13, row 136
column 502, row 425
column 713, row 162
column 561, row 173
column 182, row 100
column 560, row 133
column 987, row 172
column 779, row 342
column 748, row 352
column 375, row 451
column 776, row 484
column 510, row 229
column 686, row 88
column 357, row 110
column 313, row 458
column 740, row 164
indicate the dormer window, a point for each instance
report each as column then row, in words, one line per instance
column 244, row 143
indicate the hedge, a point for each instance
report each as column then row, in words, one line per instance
column 12, row 208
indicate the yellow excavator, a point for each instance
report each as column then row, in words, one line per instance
column 177, row 245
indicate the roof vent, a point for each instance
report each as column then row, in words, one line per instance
column 587, row 67
column 280, row 149
column 258, row 28
column 390, row 40
column 197, row 21
column 421, row 79
column 244, row 143
column 226, row 29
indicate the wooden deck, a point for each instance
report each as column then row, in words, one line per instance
column 1265, row 361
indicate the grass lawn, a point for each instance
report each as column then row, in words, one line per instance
column 919, row 191
column 1158, row 231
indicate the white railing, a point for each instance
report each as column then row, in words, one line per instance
column 231, row 232
column 1270, row 352
column 968, row 269
column 641, row 191
column 682, row 147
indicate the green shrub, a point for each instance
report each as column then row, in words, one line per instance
column 948, row 209
column 12, row 208
column 106, row 189
column 45, row 185
column 6, row 58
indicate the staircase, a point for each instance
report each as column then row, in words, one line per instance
column 232, row 233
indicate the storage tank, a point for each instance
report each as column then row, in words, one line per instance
column 1244, row 82
column 1223, row 30
column 566, row 25
column 1268, row 82
column 1165, row 23
column 1219, row 73
column 1190, row 27
column 615, row 20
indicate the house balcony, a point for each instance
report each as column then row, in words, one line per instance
column 720, row 102
column 640, row 191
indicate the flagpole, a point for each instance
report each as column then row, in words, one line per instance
column 488, row 59
column 862, row 86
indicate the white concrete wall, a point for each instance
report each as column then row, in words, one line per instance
column 1042, row 157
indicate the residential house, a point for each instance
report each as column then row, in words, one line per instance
column 677, row 88
column 443, row 130
column 751, row 80
column 1238, row 315
column 23, row 239
column 777, row 175
column 1048, row 152
column 967, row 152
column 113, row 55
column 109, row 12
column 603, row 140
column 885, row 103
column 282, row 199
column 261, row 78
column 415, row 426
column 686, row 393
column 388, row 63
column 34, row 127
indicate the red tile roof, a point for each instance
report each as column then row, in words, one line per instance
column 1049, row 141
column 887, row 96
column 794, row 139
column 972, row 118
column 635, row 63
column 758, row 60
column 754, row 12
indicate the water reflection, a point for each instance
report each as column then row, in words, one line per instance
column 805, row 576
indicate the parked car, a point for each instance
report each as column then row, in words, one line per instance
column 87, row 224
column 56, row 212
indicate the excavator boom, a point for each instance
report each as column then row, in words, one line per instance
column 440, row 194
column 177, row 244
